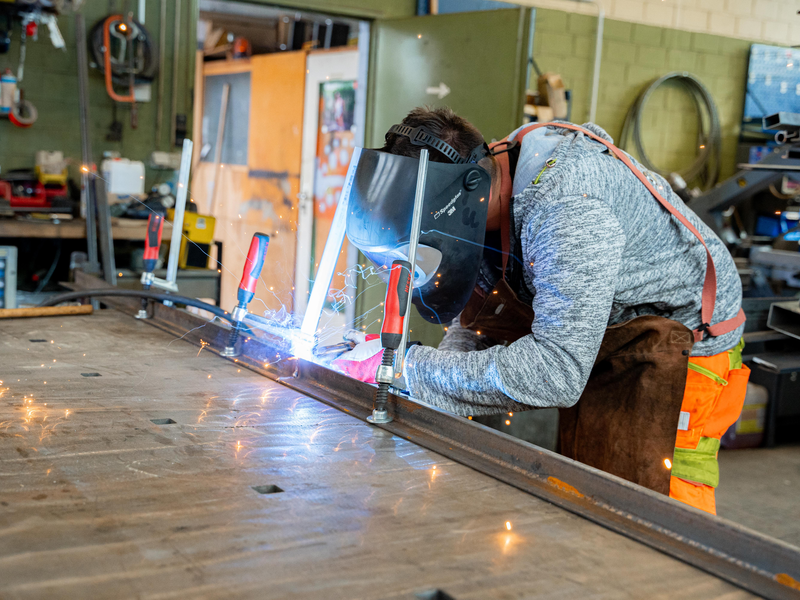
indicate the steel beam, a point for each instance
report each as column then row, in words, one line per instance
column 748, row 559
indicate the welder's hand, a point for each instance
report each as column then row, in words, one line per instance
column 362, row 362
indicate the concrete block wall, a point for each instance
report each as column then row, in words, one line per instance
column 769, row 21
column 633, row 56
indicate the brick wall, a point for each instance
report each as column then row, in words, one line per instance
column 771, row 21
column 633, row 56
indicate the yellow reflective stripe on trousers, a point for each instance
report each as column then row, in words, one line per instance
column 699, row 465
column 735, row 355
column 708, row 373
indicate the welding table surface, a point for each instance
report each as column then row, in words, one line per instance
column 97, row 501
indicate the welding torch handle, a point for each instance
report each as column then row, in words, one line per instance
column 394, row 309
column 152, row 241
column 252, row 268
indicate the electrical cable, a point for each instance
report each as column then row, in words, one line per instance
column 706, row 165
column 69, row 296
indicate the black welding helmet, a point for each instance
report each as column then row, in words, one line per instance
column 450, row 250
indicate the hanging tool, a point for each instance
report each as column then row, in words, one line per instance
column 152, row 245
column 397, row 306
column 122, row 50
column 22, row 112
column 124, row 31
column 247, row 287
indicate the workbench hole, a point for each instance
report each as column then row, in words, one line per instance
column 267, row 489
column 434, row 595
column 166, row 421
column 37, row 341
column 91, row 375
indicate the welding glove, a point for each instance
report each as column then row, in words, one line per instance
column 361, row 362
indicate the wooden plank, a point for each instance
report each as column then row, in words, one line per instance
column 75, row 229
column 197, row 108
column 46, row 311
column 226, row 67
column 98, row 501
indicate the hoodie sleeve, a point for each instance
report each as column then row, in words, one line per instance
column 573, row 257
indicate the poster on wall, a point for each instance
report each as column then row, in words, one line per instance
column 335, row 143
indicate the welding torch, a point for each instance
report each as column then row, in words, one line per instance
column 253, row 265
column 152, row 245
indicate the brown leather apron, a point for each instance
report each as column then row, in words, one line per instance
column 626, row 420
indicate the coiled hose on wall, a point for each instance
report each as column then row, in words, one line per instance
column 706, row 165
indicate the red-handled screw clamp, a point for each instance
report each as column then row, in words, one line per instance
column 152, row 245
column 253, row 265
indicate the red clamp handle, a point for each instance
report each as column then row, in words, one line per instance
column 394, row 309
column 152, row 241
column 252, row 268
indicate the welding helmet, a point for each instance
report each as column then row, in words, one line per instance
column 455, row 206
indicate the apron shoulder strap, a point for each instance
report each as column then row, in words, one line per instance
column 710, row 283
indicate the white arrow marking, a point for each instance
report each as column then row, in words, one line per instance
column 440, row 90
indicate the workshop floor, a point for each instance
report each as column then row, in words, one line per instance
column 131, row 465
column 760, row 488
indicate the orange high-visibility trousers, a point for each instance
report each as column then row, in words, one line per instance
column 715, row 390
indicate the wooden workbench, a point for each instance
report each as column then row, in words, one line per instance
column 121, row 229
column 102, row 496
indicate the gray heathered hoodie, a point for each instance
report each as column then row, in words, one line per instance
column 597, row 250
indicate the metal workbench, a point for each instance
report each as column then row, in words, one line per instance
column 137, row 470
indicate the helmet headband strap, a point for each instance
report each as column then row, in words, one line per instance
column 422, row 136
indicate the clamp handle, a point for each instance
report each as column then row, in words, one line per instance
column 152, row 241
column 394, row 308
column 252, row 268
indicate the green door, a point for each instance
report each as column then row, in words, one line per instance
column 474, row 63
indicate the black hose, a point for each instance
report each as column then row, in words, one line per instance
column 69, row 296
column 706, row 165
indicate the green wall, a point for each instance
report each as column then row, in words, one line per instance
column 634, row 55
column 51, row 83
column 368, row 9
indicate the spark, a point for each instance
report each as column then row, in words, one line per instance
column 511, row 414
column 508, row 525
column 667, row 463
column 508, row 422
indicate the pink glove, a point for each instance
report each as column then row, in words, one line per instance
column 362, row 362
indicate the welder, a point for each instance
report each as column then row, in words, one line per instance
column 566, row 275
